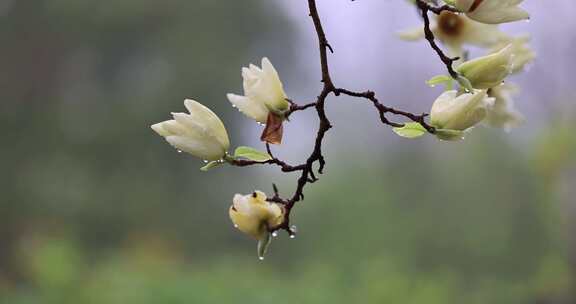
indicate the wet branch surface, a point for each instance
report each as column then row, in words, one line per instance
column 315, row 163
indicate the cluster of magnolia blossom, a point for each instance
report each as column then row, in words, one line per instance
column 481, row 96
column 202, row 134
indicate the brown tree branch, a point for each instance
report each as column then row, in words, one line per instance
column 429, row 35
column 382, row 109
column 307, row 174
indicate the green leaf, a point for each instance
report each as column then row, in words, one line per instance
column 263, row 245
column 252, row 154
column 410, row 130
column 449, row 135
column 210, row 165
column 441, row 79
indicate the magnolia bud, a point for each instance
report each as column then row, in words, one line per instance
column 263, row 92
column 488, row 71
column 264, row 100
column 253, row 215
column 492, row 11
column 200, row 133
column 459, row 112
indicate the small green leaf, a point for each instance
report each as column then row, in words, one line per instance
column 263, row 245
column 441, row 79
column 449, row 135
column 252, row 154
column 210, row 165
column 410, row 130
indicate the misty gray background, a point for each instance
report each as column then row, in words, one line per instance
column 97, row 208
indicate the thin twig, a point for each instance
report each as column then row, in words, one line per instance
column 429, row 35
column 382, row 109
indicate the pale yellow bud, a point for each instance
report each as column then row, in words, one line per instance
column 253, row 215
column 488, row 71
column 459, row 112
column 200, row 133
column 263, row 92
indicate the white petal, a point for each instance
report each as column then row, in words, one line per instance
column 159, row 128
column 211, row 122
column 502, row 16
column 192, row 127
column 498, row 11
column 174, row 128
column 249, row 107
column 204, row 149
column 255, row 69
column 276, row 94
column 450, row 111
column 241, row 203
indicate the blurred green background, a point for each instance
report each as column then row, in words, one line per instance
column 96, row 208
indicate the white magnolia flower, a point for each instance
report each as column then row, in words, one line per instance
column 523, row 54
column 503, row 114
column 200, row 133
column 455, row 31
column 264, row 99
column 263, row 92
column 459, row 112
column 488, row 71
column 492, row 11
column 253, row 215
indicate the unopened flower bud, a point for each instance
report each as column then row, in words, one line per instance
column 200, row 133
column 488, row 71
column 264, row 99
column 253, row 215
column 459, row 112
